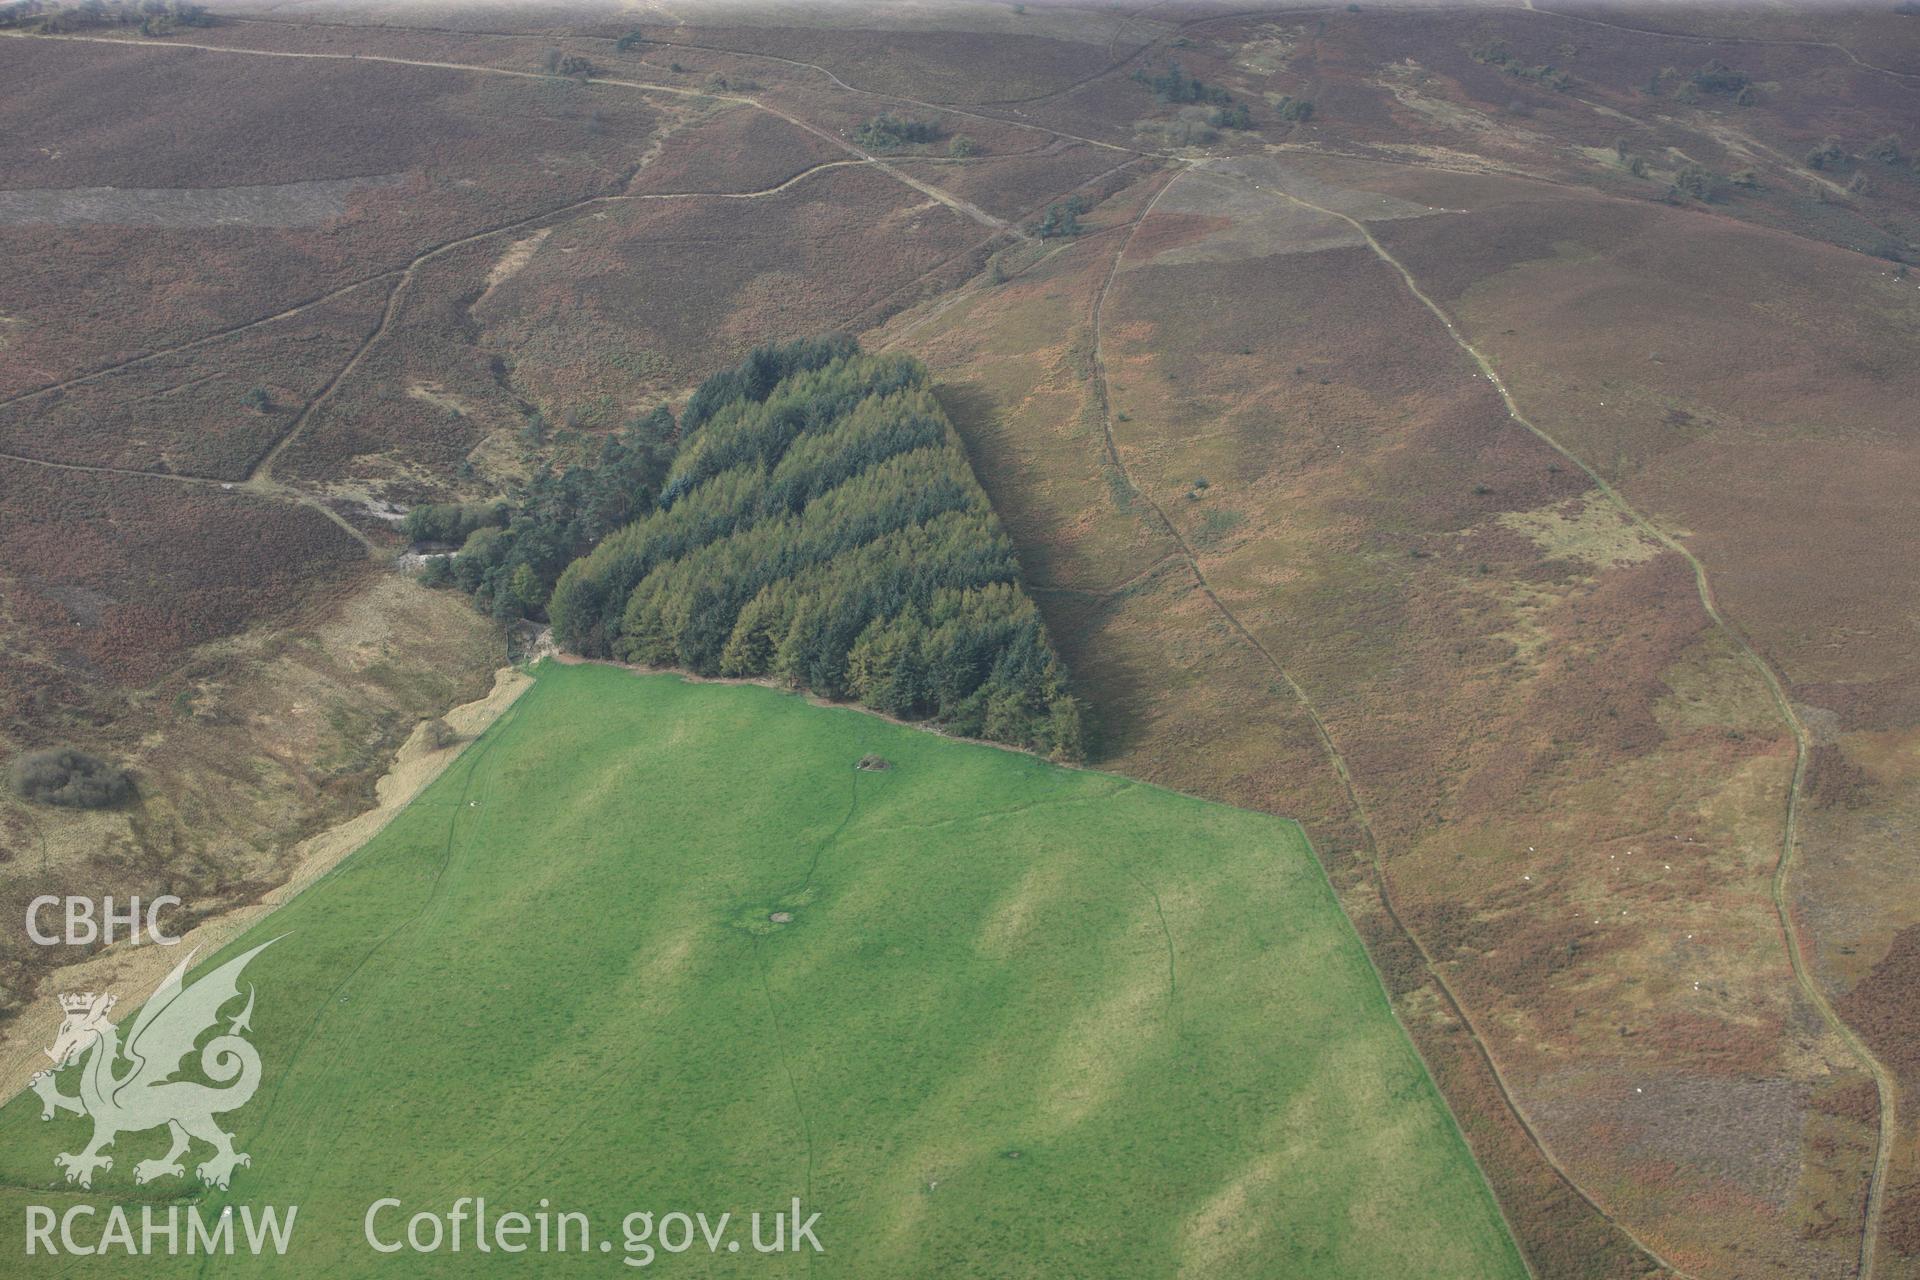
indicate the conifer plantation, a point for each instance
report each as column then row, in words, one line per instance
column 819, row 524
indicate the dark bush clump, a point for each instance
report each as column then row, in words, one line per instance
column 71, row 779
column 886, row 132
column 1718, row 77
column 453, row 522
column 1061, row 219
column 1829, row 154
column 1175, row 85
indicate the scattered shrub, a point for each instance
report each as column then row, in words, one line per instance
column 1174, row 85
column 1061, row 219
column 1718, row 77
column 1294, row 110
column 1495, row 53
column 1492, row 52
column 1697, row 182
column 451, row 522
column 70, row 779
column 888, row 132
column 1179, row 133
column 1234, row 117
column 1545, row 75
column 1827, row 155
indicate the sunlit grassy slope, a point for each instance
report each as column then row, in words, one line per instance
column 1023, row 1021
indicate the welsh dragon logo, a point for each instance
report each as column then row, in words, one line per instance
column 128, row 1088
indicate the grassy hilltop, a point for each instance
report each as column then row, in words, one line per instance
column 1022, row 1020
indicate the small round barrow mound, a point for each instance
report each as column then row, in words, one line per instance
column 874, row 764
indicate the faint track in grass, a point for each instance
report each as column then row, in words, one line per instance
column 219, row 486
column 87, row 468
column 786, row 1064
column 995, row 815
column 1166, row 934
column 1103, row 593
column 1350, row 788
column 759, row 947
column 203, row 340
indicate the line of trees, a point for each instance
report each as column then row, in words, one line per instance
column 820, row 525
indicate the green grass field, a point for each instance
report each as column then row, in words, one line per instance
column 1024, row 1020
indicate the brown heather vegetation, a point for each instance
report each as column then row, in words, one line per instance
column 1014, row 186
column 735, row 149
column 961, row 68
column 500, row 150
column 189, row 413
column 123, row 576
